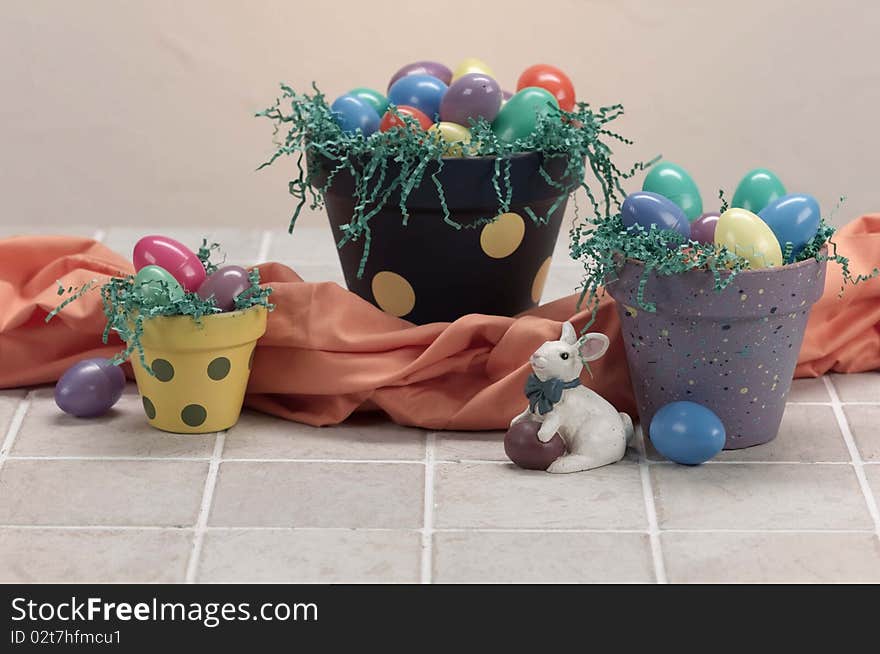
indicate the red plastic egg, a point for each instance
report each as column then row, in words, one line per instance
column 551, row 79
column 522, row 446
column 390, row 121
column 173, row 256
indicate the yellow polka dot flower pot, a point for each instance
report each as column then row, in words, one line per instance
column 424, row 270
column 201, row 369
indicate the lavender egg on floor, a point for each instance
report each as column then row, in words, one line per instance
column 225, row 284
column 89, row 388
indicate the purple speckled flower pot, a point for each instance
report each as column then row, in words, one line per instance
column 734, row 351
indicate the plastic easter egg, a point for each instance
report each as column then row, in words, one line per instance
column 432, row 68
column 423, row 92
column 524, row 448
column 757, row 189
column 89, row 388
column 672, row 181
column 553, row 80
column 794, row 219
column 703, row 228
column 454, row 135
column 471, row 65
column 471, row 96
column 746, row 235
column 519, row 115
column 372, row 97
column 390, row 120
column 225, row 284
column 353, row 114
column 687, row 433
column 506, row 95
column 645, row 208
column 157, row 286
column 173, row 256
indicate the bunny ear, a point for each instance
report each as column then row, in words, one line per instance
column 568, row 334
column 593, row 346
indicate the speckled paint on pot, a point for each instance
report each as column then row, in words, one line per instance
column 734, row 351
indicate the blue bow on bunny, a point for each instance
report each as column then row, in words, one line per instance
column 544, row 394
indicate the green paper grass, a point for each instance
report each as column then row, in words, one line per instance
column 582, row 137
column 127, row 309
column 604, row 246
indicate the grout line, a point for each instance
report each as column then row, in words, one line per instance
column 832, row 404
column 99, row 235
column 651, row 511
column 14, row 427
column 265, row 244
column 192, row 566
column 428, row 522
column 437, row 530
column 403, row 461
column 487, row 462
column 858, row 464
column 109, row 458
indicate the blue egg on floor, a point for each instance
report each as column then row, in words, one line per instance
column 687, row 433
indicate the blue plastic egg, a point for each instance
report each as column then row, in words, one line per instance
column 420, row 91
column 646, row 208
column 794, row 219
column 687, row 433
column 355, row 114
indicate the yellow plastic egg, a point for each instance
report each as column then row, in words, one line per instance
column 472, row 65
column 453, row 134
column 746, row 235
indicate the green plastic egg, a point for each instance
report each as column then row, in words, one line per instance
column 519, row 115
column 672, row 181
column 157, row 286
column 757, row 189
column 372, row 97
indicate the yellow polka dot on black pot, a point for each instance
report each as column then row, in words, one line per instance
column 501, row 238
column 393, row 293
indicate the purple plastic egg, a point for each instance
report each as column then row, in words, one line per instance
column 471, row 96
column 432, row 68
column 89, row 388
column 703, row 228
column 506, row 95
column 225, row 284
column 646, row 209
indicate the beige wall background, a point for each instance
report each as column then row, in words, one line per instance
column 140, row 112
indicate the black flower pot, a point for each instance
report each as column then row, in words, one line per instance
column 427, row 270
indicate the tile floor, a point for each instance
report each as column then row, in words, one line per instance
column 113, row 500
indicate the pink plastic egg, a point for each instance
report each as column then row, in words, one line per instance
column 225, row 284
column 173, row 256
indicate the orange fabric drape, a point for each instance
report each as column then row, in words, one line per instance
column 327, row 353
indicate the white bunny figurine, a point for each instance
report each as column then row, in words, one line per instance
column 593, row 430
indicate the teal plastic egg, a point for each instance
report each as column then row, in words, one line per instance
column 372, row 97
column 757, row 189
column 519, row 116
column 672, row 181
column 157, row 286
